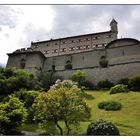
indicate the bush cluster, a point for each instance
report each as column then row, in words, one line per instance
column 88, row 85
column 134, row 82
column 47, row 79
column 14, row 79
column 123, row 81
column 105, row 84
column 102, row 128
column 28, row 97
column 119, row 88
column 12, row 115
column 110, row 105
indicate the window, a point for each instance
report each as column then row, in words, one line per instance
column 87, row 46
column 79, row 47
column 109, row 36
column 73, row 41
column 46, row 52
column 55, row 51
column 68, row 65
column 22, row 63
column 96, row 37
column 87, row 39
column 79, row 40
column 56, row 43
column 99, row 45
column 64, row 42
column 94, row 46
column 103, row 62
column 71, row 49
column 63, row 50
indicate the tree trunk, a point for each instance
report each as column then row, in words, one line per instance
column 60, row 129
column 68, row 129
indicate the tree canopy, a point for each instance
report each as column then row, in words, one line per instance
column 62, row 103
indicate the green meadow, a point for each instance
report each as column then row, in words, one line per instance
column 127, row 119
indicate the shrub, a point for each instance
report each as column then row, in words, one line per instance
column 134, row 82
column 79, row 77
column 118, row 89
column 88, row 85
column 14, row 79
column 123, row 81
column 101, row 105
column 106, row 84
column 12, row 115
column 102, row 128
column 110, row 105
column 28, row 97
column 47, row 79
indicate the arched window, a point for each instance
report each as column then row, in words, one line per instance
column 22, row 63
column 103, row 62
column 68, row 65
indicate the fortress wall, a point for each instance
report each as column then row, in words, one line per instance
column 112, row 73
column 13, row 61
column 79, row 60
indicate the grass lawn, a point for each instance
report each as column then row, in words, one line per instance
column 127, row 119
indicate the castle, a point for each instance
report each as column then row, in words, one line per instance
column 101, row 55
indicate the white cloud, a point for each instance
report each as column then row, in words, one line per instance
column 21, row 24
column 29, row 18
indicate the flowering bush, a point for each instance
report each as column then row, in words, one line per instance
column 119, row 88
column 102, row 128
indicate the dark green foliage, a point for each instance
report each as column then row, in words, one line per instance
column 12, row 115
column 134, row 82
column 12, row 79
column 47, row 79
column 88, row 85
column 102, row 128
column 79, row 77
column 62, row 103
column 27, row 97
column 123, row 81
column 110, row 105
column 105, row 84
column 119, row 88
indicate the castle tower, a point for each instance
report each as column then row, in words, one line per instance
column 113, row 25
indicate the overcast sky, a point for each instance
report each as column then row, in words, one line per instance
column 21, row 24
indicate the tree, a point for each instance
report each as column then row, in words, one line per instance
column 47, row 79
column 12, row 79
column 79, row 77
column 12, row 115
column 134, row 82
column 62, row 103
column 27, row 97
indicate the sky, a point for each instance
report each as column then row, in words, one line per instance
column 21, row 24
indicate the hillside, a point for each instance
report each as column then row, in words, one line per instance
column 127, row 119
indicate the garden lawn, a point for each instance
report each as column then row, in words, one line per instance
column 127, row 119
